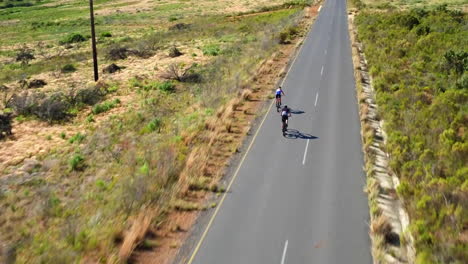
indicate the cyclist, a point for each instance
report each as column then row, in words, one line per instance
column 285, row 114
column 278, row 94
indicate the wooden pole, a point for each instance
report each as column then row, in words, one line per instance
column 93, row 42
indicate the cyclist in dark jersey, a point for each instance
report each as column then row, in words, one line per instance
column 285, row 114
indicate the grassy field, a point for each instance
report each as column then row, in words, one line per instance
column 51, row 22
column 128, row 138
column 418, row 59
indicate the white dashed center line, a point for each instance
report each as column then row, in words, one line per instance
column 284, row 252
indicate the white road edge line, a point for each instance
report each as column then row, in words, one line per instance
column 305, row 152
column 284, row 252
column 321, row 71
column 325, row 52
column 319, row 8
column 213, row 216
column 316, row 99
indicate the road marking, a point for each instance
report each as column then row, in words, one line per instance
column 210, row 223
column 197, row 248
column 316, row 99
column 305, row 152
column 325, row 52
column 284, row 252
column 319, row 8
column 321, row 71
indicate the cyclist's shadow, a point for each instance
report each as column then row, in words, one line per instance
column 295, row 134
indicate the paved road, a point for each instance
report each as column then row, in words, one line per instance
column 300, row 199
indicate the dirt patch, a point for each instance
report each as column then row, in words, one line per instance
column 225, row 133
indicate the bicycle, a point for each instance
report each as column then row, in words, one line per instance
column 285, row 127
column 278, row 104
column 285, row 114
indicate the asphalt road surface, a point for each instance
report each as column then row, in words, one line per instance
column 299, row 199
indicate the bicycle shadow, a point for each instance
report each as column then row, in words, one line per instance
column 297, row 112
column 295, row 134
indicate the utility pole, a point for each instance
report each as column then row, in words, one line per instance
column 93, row 42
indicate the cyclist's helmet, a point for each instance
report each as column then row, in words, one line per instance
column 285, row 106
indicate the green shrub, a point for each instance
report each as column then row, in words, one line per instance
column 106, row 35
column 68, row 68
column 418, row 60
column 78, row 138
column 283, row 37
column 211, row 50
column 153, row 125
column 105, row 106
column 173, row 18
column 166, row 86
column 76, row 162
column 90, row 119
column 73, row 38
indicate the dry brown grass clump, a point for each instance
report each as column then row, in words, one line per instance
column 381, row 225
column 246, row 95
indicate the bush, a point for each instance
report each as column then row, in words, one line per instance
column 78, row 138
column 283, row 37
column 462, row 83
column 111, row 68
column 173, row 18
column 179, row 73
column 174, row 52
column 36, row 83
column 72, row 38
column 143, row 48
column 211, row 50
column 5, row 125
column 47, row 107
column 68, row 68
column 106, row 35
column 166, row 87
column 117, row 52
column 25, row 55
column 288, row 34
column 104, row 107
column 457, row 61
column 180, row 26
column 293, row 31
column 53, row 108
column 88, row 96
column 76, row 162
column 152, row 126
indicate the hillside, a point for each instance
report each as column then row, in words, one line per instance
column 418, row 61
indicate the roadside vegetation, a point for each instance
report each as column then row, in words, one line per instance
column 129, row 140
column 418, row 61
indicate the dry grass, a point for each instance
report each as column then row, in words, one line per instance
column 381, row 225
column 136, row 233
column 182, row 205
column 246, row 95
column 228, row 126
